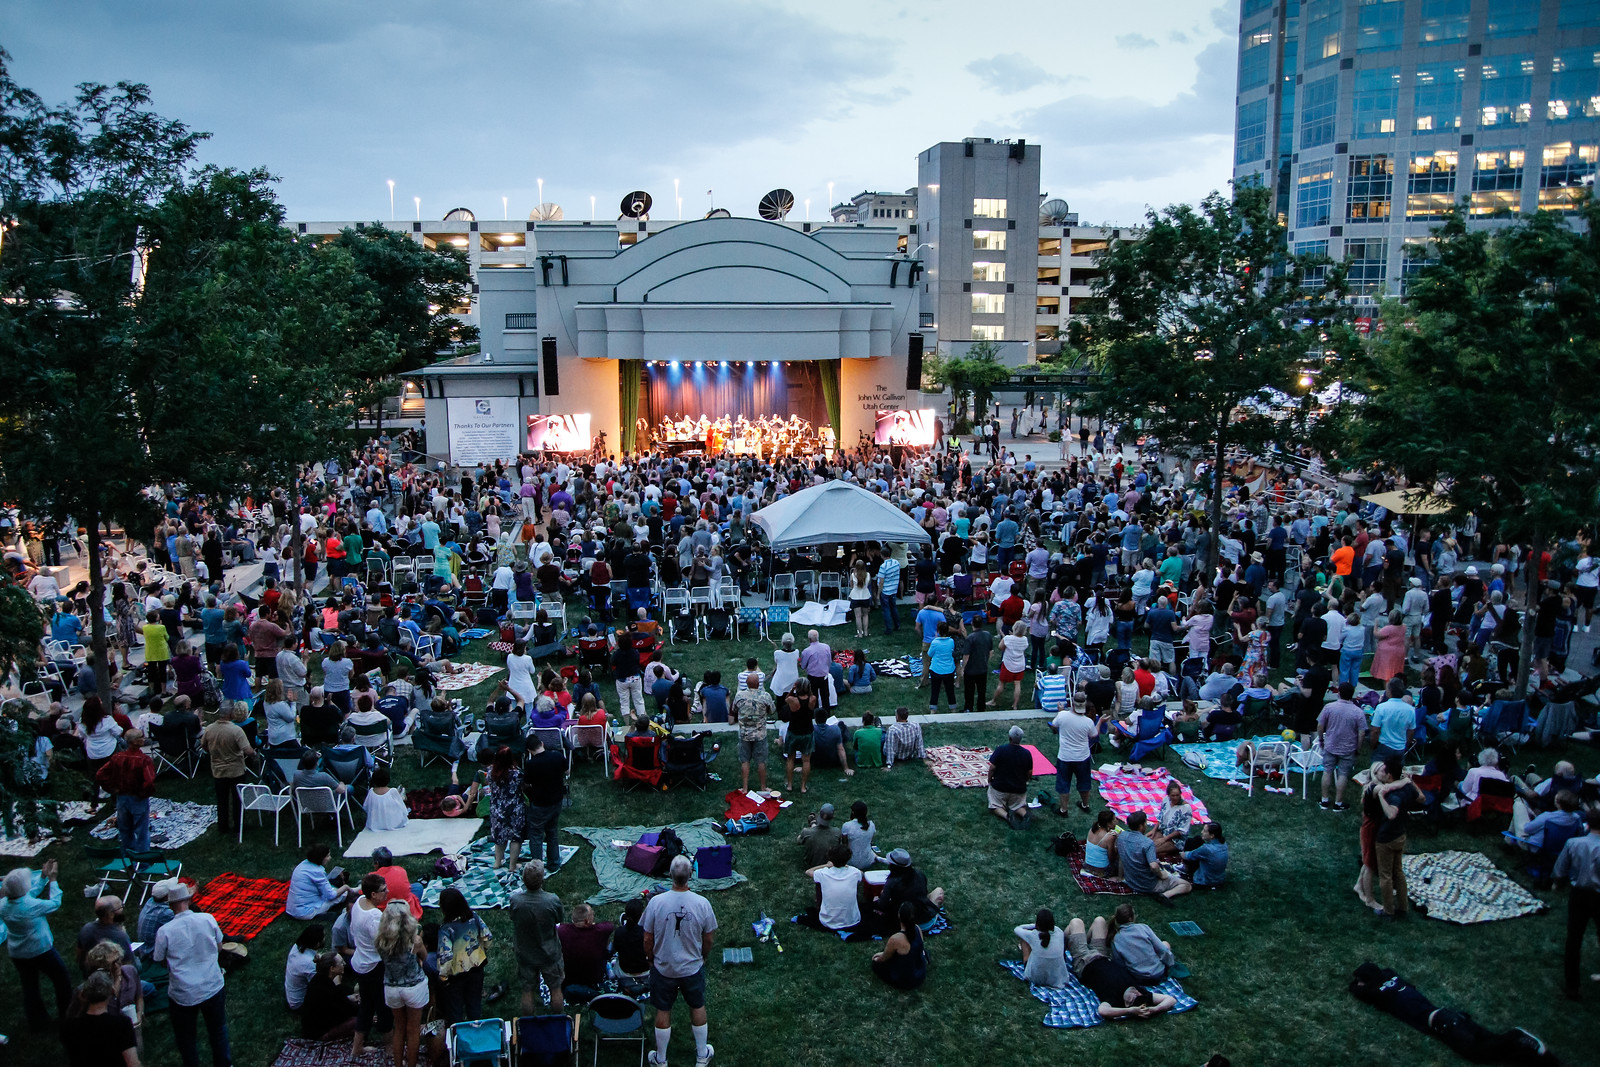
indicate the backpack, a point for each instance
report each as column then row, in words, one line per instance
column 1065, row 844
column 445, row 867
column 754, row 823
column 671, row 846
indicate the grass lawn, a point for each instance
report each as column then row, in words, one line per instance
column 1270, row 973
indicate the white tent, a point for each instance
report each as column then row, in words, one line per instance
column 832, row 512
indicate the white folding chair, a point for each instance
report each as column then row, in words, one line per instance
column 783, row 589
column 524, row 611
column 828, row 586
column 321, row 800
column 806, row 580
column 403, row 568
column 700, row 597
column 674, row 600
column 728, row 593
column 1305, row 762
column 556, row 612
column 1268, row 754
column 259, row 798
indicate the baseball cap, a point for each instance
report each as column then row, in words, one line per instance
column 825, row 812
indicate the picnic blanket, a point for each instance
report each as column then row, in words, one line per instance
column 477, row 633
column 303, row 1052
column 417, row 837
column 960, row 768
column 1218, row 759
column 740, row 805
column 1074, row 1007
column 1465, row 887
column 1126, row 792
column 173, row 823
column 242, row 906
column 466, row 676
column 501, row 646
column 481, row 883
column 899, row 667
column 1093, row 883
column 817, row 613
column 22, row 846
column 424, row 803
column 618, row 884
column 1042, row 764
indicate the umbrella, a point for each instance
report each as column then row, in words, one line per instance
column 1410, row 502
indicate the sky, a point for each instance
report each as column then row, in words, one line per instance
column 471, row 103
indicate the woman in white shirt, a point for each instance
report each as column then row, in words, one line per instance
column 1044, row 951
column 280, row 714
column 100, row 733
column 302, row 965
column 858, row 833
column 336, row 671
column 366, row 914
column 785, row 665
column 385, row 806
column 519, row 674
column 1013, row 664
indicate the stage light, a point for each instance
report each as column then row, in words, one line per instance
column 699, row 363
column 723, row 363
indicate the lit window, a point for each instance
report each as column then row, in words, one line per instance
column 1376, row 102
column 1497, row 181
column 988, row 209
column 1574, row 86
column 988, row 333
column 1250, row 138
column 1436, row 100
column 1379, row 24
column 1254, row 51
column 1317, row 112
column 1314, row 195
column 1430, row 190
column 1444, row 20
column 988, row 272
column 1323, row 20
column 1562, row 178
column 988, row 240
column 1506, row 93
column 1370, row 189
column 1315, row 272
column 1366, row 264
column 988, row 303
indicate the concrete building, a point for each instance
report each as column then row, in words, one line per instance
column 1370, row 118
column 876, row 208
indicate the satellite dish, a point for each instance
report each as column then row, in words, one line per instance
column 776, row 204
column 459, row 214
column 546, row 213
column 636, row 205
column 719, row 213
column 1054, row 211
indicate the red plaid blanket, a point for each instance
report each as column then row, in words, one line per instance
column 242, row 906
column 1093, row 883
column 424, row 803
column 739, row 806
column 1126, row 793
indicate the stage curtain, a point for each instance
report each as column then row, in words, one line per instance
column 830, row 392
column 628, row 379
column 680, row 389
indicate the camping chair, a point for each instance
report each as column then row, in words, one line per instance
column 482, row 1043
column 637, row 760
column 259, row 798
column 321, row 800
column 546, row 1040
column 1492, row 810
column 436, row 737
column 590, row 740
column 594, row 655
column 776, row 613
column 377, row 738
column 473, row 593
column 1426, row 810
column 715, row 625
column 1268, row 754
column 1504, row 724
column 745, row 618
column 783, row 588
column 278, row 765
column 116, row 871
column 149, row 868
column 1543, row 863
column 615, row 1017
column 319, row 725
column 685, row 761
column 501, row 730
column 683, row 627
column 1154, row 735
column 176, row 750
column 350, row 768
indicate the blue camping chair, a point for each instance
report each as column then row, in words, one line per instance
column 481, row 1043
column 615, row 1017
column 1153, row 734
column 546, row 1041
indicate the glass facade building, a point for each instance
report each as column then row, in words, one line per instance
column 1370, row 118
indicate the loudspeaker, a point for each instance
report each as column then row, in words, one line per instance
column 552, row 383
column 914, row 364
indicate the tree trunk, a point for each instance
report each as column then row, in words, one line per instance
column 1530, row 601
column 97, row 615
column 1214, row 504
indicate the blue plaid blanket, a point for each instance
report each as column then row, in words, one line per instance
column 1075, row 1007
column 1217, row 759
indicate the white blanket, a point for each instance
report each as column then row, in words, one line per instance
column 420, row 837
column 816, row 613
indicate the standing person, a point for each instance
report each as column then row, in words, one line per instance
column 544, row 783
column 157, row 653
column 888, row 585
column 625, row 669
column 679, row 928
column 405, row 985
column 463, row 953
column 98, row 1034
column 366, row 915
column 1390, row 841
column 507, row 812
column 753, row 707
column 1339, row 728
column 942, row 669
column 861, row 598
column 1076, row 731
column 1013, row 664
column 228, row 748
column 1579, row 864
column 815, row 660
column 130, row 776
column 30, row 896
column 535, row 914
column 188, row 945
column 975, row 669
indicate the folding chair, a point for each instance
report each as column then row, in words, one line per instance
column 552, row 737
column 404, row 569
column 783, row 588
column 615, row 1017
column 1493, row 807
column 176, row 750
column 684, row 761
column 728, row 592
column 437, row 737
column 377, row 738
column 806, row 580
column 116, row 871
column 259, row 798
column 1305, row 762
column 482, row 1043
column 524, row 611
column 750, row 617
column 546, row 1040
column 828, row 585
column 1267, row 754
column 556, row 612
column 700, row 598
column 776, row 613
column 590, row 739
column 674, row 600
column 321, row 800
column 149, row 868
column 473, row 593
column 637, row 761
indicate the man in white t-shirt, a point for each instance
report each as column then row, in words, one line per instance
column 1077, row 732
column 679, row 926
column 841, row 889
column 188, row 945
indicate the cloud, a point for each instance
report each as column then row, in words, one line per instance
column 1178, row 37
column 1226, row 18
column 1009, row 73
column 1135, row 41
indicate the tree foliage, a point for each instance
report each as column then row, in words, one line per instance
column 970, row 377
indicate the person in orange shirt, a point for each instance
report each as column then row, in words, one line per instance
column 1343, row 558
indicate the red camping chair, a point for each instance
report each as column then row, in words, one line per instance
column 1494, row 804
column 638, row 761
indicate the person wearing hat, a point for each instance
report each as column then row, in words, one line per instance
column 819, row 837
column 155, row 914
column 188, row 945
column 1255, row 575
column 906, row 885
column 1412, row 607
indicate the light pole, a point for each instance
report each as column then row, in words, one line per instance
column 418, row 201
column 505, row 207
column 680, row 209
column 391, row 199
column 591, row 209
column 541, row 190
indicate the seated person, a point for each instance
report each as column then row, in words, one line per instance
column 585, row 948
column 395, row 708
column 1540, row 794
column 860, row 676
column 328, row 1012
column 867, row 742
column 1044, row 951
column 840, row 885
column 903, row 963
column 307, row 776
column 546, row 714
column 1528, row 833
column 1173, row 820
column 1119, row 991
column 348, row 749
column 583, row 686
column 366, row 713
column 384, row 805
column 401, row 887
column 1207, row 865
column 660, row 680
column 907, row 885
column 752, row 667
column 1221, row 681
column 590, row 712
column 1136, row 947
column 1488, row 767
column 1100, row 846
column 1136, row 852
column 312, row 893
column 542, row 637
column 828, row 744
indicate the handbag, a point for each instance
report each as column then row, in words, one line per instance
column 642, row 858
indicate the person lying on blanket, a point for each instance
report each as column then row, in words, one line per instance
column 1121, row 995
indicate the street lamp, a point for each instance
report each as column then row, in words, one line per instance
column 391, row 199
column 418, row 201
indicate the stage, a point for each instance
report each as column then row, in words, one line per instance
column 738, row 407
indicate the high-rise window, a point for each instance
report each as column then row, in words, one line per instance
column 1512, row 18
column 1431, row 187
column 1574, row 85
column 1316, row 273
column 988, row 240
column 1323, row 19
column 1436, row 100
column 1578, row 13
column 1561, row 179
column 1286, row 94
column 1250, row 138
column 988, row 209
column 1366, row 264
column 1505, row 96
column 988, row 272
column 1415, row 254
column 1497, row 181
column 1379, row 24
column 988, row 303
column 988, row 333
column 1319, row 106
column 1370, row 189
column 1254, row 51
column 1376, row 102
column 1313, row 201
column 1445, row 20
column 1253, row 7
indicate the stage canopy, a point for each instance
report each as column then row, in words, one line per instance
column 832, row 512
column 1409, row 502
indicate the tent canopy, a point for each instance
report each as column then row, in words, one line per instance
column 1409, row 502
column 832, row 512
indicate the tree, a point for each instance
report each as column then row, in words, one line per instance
column 1485, row 388
column 971, row 376
column 1205, row 314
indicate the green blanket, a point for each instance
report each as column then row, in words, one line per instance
column 618, row 884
